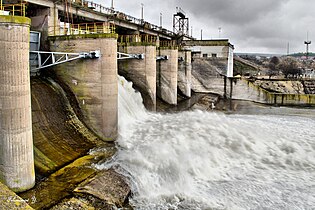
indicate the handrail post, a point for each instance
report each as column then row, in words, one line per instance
column 64, row 28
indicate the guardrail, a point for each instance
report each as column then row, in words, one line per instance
column 18, row 9
column 169, row 44
column 82, row 28
column 122, row 16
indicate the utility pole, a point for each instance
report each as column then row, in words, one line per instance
column 142, row 5
column 201, row 34
column 112, row 6
column 288, row 49
column 161, row 16
column 191, row 33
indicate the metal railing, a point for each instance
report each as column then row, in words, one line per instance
column 122, row 16
column 97, row 7
column 169, row 44
column 18, row 9
column 125, row 39
column 82, row 28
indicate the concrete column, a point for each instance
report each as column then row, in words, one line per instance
column 46, row 21
column 167, row 76
column 16, row 142
column 142, row 72
column 93, row 81
column 230, row 66
column 184, row 72
column 53, row 22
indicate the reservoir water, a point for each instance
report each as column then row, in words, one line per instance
column 209, row 160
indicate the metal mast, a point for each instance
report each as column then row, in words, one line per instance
column 180, row 22
column 307, row 43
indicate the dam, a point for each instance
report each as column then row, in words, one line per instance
column 61, row 97
column 77, row 49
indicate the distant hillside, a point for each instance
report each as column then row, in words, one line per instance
column 300, row 54
column 258, row 54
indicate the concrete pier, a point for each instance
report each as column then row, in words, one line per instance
column 16, row 142
column 93, row 81
column 184, row 72
column 167, row 75
column 142, row 72
column 45, row 20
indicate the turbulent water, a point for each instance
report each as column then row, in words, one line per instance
column 207, row 160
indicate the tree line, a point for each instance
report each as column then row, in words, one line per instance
column 288, row 66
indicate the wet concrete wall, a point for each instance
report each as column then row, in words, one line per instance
column 184, row 72
column 246, row 90
column 93, row 81
column 141, row 72
column 208, row 73
column 59, row 137
column 16, row 141
column 166, row 78
column 45, row 20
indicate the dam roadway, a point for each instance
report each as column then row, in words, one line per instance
column 97, row 12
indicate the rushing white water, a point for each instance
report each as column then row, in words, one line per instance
column 206, row 160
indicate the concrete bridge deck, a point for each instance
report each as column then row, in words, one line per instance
column 97, row 12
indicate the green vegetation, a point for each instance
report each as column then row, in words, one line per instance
column 15, row 19
column 300, row 54
column 137, row 44
column 83, row 36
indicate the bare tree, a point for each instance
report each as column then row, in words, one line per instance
column 273, row 66
column 289, row 67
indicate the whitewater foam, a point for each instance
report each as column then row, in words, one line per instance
column 203, row 160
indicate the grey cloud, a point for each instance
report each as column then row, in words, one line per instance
column 232, row 11
column 252, row 25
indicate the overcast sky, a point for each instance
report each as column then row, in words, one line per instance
column 265, row 26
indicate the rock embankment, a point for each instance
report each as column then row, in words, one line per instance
column 309, row 86
column 287, row 87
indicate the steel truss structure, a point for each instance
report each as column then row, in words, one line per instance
column 43, row 59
